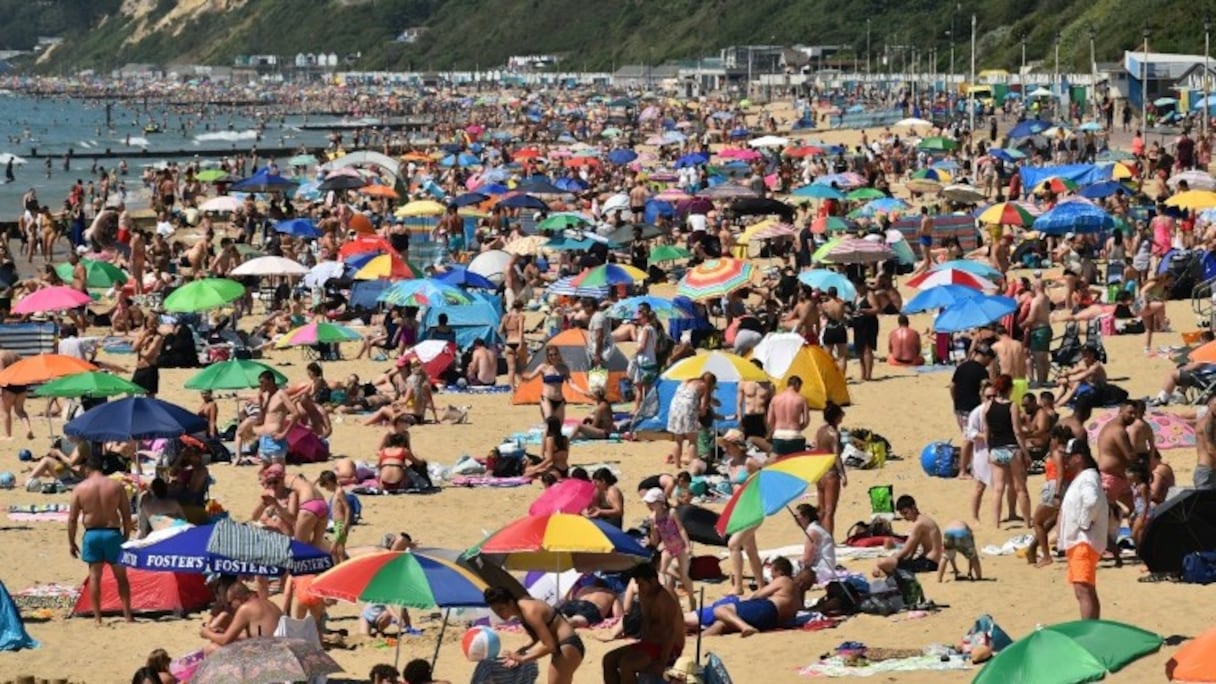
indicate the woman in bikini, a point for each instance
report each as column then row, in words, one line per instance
column 512, row 330
column 556, row 453
column 1155, row 293
column 827, row 440
column 298, row 505
column 555, row 377
column 394, row 458
column 551, row 634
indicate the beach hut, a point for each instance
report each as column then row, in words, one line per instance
column 573, row 347
column 785, row 355
column 151, row 592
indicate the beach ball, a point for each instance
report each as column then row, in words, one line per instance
column 25, row 455
column 939, row 459
column 480, row 643
column 7, row 480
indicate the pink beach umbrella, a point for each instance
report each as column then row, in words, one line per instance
column 56, row 298
column 567, row 496
column 739, row 153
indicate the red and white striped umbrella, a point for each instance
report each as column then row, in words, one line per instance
column 776, row 230
column 951, row 276
column 858, row 251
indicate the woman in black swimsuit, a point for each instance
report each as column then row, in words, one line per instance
column 551, row 634
column 555, row 376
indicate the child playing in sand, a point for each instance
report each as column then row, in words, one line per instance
column 957, row 538
column 666, row 530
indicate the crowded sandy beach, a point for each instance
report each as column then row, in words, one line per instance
column 583, row 387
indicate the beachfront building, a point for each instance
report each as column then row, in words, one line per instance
column 1164, row 75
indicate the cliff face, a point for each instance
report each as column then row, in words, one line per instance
column 465, row 34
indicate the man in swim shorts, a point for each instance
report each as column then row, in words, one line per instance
column 769, row 608
column 662, row 635
column 958, row 538
column 923, row 550
column 788, row 416
column 101, row 505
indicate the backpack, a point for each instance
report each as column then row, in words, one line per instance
column 909, row 588
column 1199, row 567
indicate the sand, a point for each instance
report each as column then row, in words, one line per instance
column 910, row 409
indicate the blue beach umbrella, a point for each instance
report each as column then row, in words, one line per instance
column 469, row 199
column 940, row 297
column 300, row 228
column 186, row 552
column 622, row 156
column 460, row 276
column 818, row 191
column 134, row 418
column 694, row 159
column 1103, row 189
column 627, row 309
column 1074, row 217
column 1028, row 128
column 821, row 279
column 975, row 312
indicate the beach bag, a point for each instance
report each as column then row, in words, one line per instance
column 705, row 568
column 1199, row 567
column 508, row 466
column 985, row 632
column 882, row 603
column 882, row 500
column 839, row 599
column 909, row 588
column 715, row 672
column 855, row 458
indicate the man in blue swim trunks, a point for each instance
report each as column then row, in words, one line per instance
column 101, row 505
column 279, row 415
column 776, row 604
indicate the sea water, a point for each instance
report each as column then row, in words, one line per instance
column 56, row 125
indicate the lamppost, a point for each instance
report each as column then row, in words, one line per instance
column 1207, row 31
column 971, row 81
column 1144, row 83
column 1055, row 82
column 1023, row 54
column 1093, row 74
column 867, row 45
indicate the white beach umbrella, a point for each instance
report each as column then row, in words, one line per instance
column 223, row 204
column 270, row 265
column 913, row 122
column 769, row 141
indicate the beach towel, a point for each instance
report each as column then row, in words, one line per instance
column 372, row 488
column 53, row 600
column 13, row 636
column 494, row 672
column 490, row 481
column 250, row 544
column 478, row 389
column 38, row 513
column 836, row 667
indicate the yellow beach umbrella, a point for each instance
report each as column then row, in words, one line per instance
column 726, row 367
column 1193, row 199
column 420, row 208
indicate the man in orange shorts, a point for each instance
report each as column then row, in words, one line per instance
column 1084, row 521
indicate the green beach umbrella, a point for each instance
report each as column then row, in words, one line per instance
column 204, row 295
column 1079, row 651
column 663, row 253
column 821, row 254
column 232, row 375
column 97, row 274
column 864, row 194
column 213, row 175
column 937, row 144
column 562, row 222
column 302, row 160
column 91, row 384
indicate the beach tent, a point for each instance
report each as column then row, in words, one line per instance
column 573, row 347
column 151, row 592
column 13, row 636
column 476, row 320
column 653, row 415
column 786, row 354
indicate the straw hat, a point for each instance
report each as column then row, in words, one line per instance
column 733, row 436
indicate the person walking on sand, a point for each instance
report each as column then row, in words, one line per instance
column 101, row 505
column 1084, row 520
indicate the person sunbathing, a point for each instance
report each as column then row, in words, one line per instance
column 66, row 467
column 555, row 455
column 158, row 510
column 600, row 424
column 252, row 616
column 591, row 604
column 1089, row 377
column 774, row 605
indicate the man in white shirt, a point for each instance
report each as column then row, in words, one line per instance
column 1084, row 521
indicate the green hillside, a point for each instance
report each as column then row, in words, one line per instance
column 465, row 34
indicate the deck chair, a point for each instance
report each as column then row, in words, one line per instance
column 1199, row 386
column 1067, row 353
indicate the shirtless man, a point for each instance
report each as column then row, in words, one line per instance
column 637, row 201
column 770, row 607
column 254, row 616
column 662, row 636
column 1001, row 252
column 923, row 550
column 101, row 505
column 1038, row 322
column 753, row 401
column 903, row 344
column 1115, row 453
column 804, row 319
column 483, row 365
column 591, row 605
column 787, row 417
column 1081, row 412
column 279, row 414
column 835, row 329
column 1144, row 443
column 1010, row 358
column 148, row 345
column 1205, row 448
column 512, row 330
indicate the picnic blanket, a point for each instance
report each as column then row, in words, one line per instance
column 486, row 481
column 371, row 488
column 835, row 667
column 38, row 513
column 478, row 389
column 50, row 599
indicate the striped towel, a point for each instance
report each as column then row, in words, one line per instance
column 250, row 544
column 494, row 672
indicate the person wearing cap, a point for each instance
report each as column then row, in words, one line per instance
column 1084, row 523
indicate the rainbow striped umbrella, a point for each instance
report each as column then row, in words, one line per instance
column 318, row 333
column 1055, row 185
column 608, row 275
column 1006, row 214
column 715, row 278
column 402, row 578
column 560, row 542
column 772, row 488
column 423, row 292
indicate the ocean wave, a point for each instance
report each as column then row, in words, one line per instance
column 226, row 136
column 135, row 141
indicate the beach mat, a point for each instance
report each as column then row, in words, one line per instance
column 836, row 667
column 478, row 389
column 372, row 490
column 482, row 481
